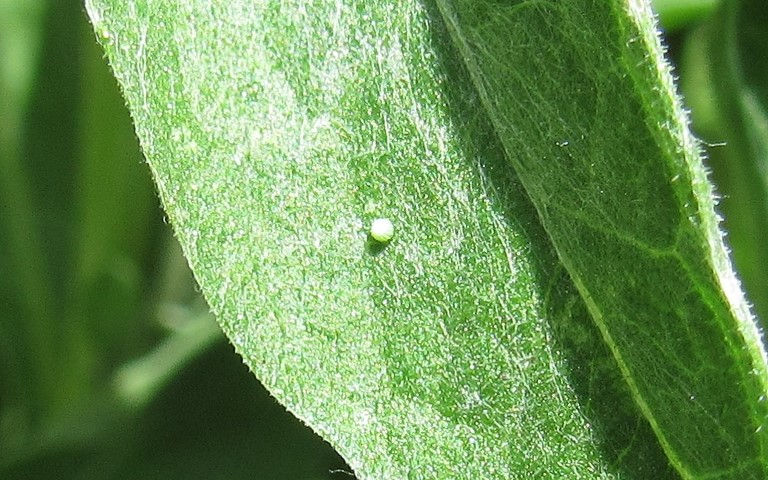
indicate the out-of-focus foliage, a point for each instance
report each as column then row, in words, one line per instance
column 724, row 77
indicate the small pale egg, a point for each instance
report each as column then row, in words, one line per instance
column 382, row 229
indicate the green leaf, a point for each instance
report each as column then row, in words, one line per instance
column 629, row 210
column 87, row 284
column 278, row 131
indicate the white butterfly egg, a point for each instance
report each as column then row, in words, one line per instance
column 382, row 229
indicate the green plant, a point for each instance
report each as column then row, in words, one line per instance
column 557, row 301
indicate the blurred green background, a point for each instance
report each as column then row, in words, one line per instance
column 111, row 366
